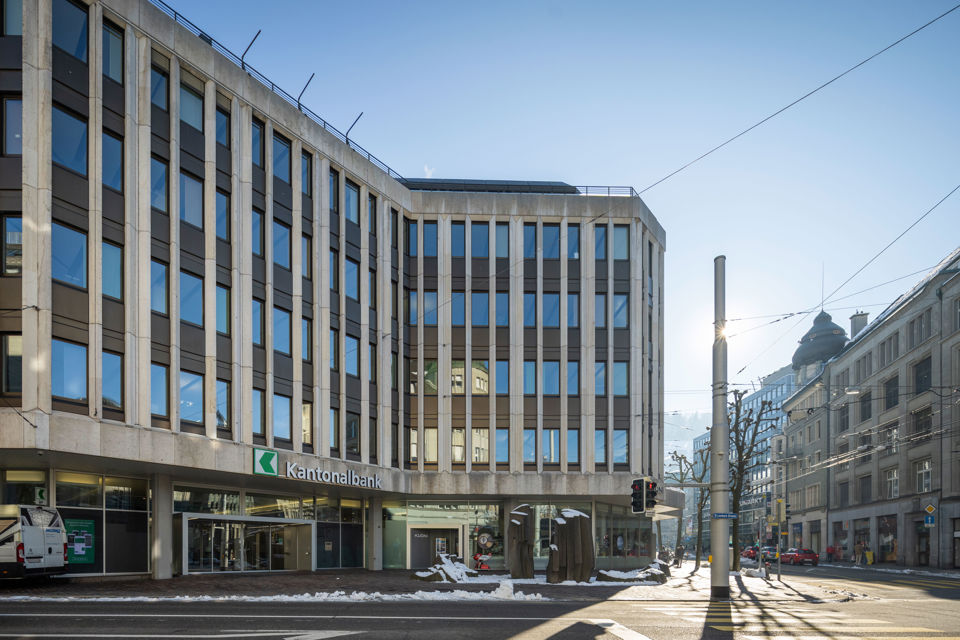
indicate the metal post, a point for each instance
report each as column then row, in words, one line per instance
column 719, row 442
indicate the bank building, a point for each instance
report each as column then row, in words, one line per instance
column 234, row 340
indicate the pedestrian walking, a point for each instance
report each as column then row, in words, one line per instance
column 678, row 562
column 857, row 553
column 830, row 552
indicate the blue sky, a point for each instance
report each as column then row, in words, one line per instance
column 623, row 93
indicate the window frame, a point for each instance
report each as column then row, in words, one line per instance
column 113, row 269
column 283, row 143
column 180, row 380
column 199, row 279
column 103, row 386
column 82, row 40
column 161, row 74
column 82, row 285
column 104, row 134
column 55, row 367
column 193, row 93
column 185, row 180
column 69, row 113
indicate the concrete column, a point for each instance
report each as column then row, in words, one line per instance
column 321, row 307
column 639, row 409
column 296, row 314
column 210, row 258
column 268, row 260
column 133, row 260
column 375, row 535
column 139, row 239
column 173, row 272
column 242, row 294
column 445, row 338
column 516, row 345
column 320, row 283
column 364, row 341
column 468, row 352
column 95, row 208
column 588, row 337
column 564, row 351
column 161, row 531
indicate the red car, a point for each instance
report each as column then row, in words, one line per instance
column 800, row 556
column 750, row 553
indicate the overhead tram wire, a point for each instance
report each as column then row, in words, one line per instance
column 797, row 101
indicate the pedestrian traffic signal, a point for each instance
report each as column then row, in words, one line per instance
column 637, row 502
column 650, row 494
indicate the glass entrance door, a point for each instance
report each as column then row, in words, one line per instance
column 228, row 544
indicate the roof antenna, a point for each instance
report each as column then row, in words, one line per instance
column 243, row 65
column 347, row 135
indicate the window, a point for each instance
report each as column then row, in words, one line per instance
column 411, row 240
column 866, row 406
column 503, row 446
column 191, row 397
column 430, row 239
column 480, row 308
column 69, row 256
column 891, row 481
column 600, row 446
column 843, row 418
column 112, row 270
column 621, row 450
column 503, row 308
column 393, row 370
column 890, row 439
column 223, row 404
column 412, row 313
column 306, row 174
column 503, row 240
column 480, row 445
column 112, row 156
column 282, row 416
column 112, row 392
column 922, row 473
column 306, row 423
column 530, row 377
column 352, row 203
column 530, row 310
column 256, row 319
column 12, row 127
column 12, row 364
column 11, row 19
column 158, row 88
column 430, row 308
column 158, row 389
column 922, row 422
column 573, row 446
column 600, row 378
column 891, row 393
column 352, row 355
column 256, row 224
column 333, row 181
column 621, row 242
column 956, row 314
column 222, row 127
column 919, row 329
column 334, row 349
column 69, row 136
column 621, row 310
column 551, row 242
column 551, row 310
column 573, row 378
column 600, row 311
column 351, row 279
column 921, row 376
column 191, row 107
column 334, row 271
column 551, row 377
column 430, row 445
column 191, row 298
column 281, row 159
column 550, row 446
column 430, row 377
column 621, row 379
column 530, row 241
column 372, row 440
column 306, row 339
column 306, row 257
column 480, row 377
column 223, row 215
column 573, row 241
column 573, row 310
column 281, row 330
column 191, row 200
column 281, row 244
column 257, row 412
column 256, row 143
column 503, row 377
column 530, row 446
column 458, row 441
column 413, row 376
column 480, row 240
column 457, row 240
column 158, row 184
column 158, row 287
column 457, row 309
column 600, row 242
column 70, row 28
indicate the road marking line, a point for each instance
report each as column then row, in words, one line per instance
column 297, row 635
column 845, row 628
column 617, row 629
column 929, row 583
column 832, row 637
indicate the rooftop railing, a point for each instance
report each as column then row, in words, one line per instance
column 608, row 191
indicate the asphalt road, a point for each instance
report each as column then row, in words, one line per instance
column 888, row 606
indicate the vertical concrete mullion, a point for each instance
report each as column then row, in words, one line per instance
column 95, row 209
column 241, row 295
column 364, row 341
column 210, row 258
column 132, row 258
column 268, row 276
column 638, row 304
column 296, row 313
column 538, row 441
column 564, row 347
column 321, row 207
column 492, row 348
column 419, row 356
column 139, row 237
column 588, row 337
column 610, row 351
column 468, row 353
column 384, row 336
column 446, row 365
column 516, row 343
column 173, row 272
column 341, row 294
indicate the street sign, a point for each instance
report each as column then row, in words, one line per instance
column 724, row 516
column 40, row 496
column 930, row 509
column 929, row 521
column 264, row 462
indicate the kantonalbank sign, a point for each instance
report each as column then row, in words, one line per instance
column 266, row 462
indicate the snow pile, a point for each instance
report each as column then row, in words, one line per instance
column 449, row 569
column 754, row 573
column 652, row 575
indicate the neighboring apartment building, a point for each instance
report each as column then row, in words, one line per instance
column 234, row 341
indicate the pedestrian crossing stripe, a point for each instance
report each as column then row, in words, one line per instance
column 846, row 628
column 924, row 582
column 833, row 637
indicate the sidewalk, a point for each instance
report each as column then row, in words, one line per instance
column 362, row 585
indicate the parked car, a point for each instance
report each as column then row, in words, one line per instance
column 768, row 553
column 800, row 556
column 33, row 541
column 750, row 553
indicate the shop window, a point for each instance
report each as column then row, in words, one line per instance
column 281, row 158
column 191, row 397
column 223, row 310
column 222, row 127
column 429, row 239
column 158, row 88
column 23, row 486
column 79, row 490
column 573, row 378
column 191, row 200
column 223, row 215
column 281, row 331
column 202, row 500
column 282, row 416
column 112, row 270
column 223, row 405
column 12, row 118
column 112, row 161
column 479, row 240
column 70, row 28
column 503, row 446
column 256, row 322
column 573, row 446
column 11, row 377
column 68, row 371
column 503, row 377
column 191, row 299
column 573, row 241
column 573, row 310
column 191, row 107
column 503, row 240
column 530, row 241
column 551, row 310
column 258, row 412
column 530, row 446
column 458, row 240
column 69, row 256
column 112, row 392
column 256, row 143
column 352, row 203
column 480, row 445
column 158, row 184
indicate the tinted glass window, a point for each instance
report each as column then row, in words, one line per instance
column 112, row 52
column 112, row 162
column 306, row 174
column 12, row 127
column 600, row 446
column 256, row 317
column 551, row 242
column 158, row 88
column 430, row 239
column 112, row 380
column 351, row 279
column 503, row 240
column 334, row 185
column 573, row 241
column 621, row 243
column 352, row 203
column 479, row 240
column 223, row 215
column 256, row 229
column 223, row 127
column 281, row 330
column 12, row 246
column 529, row 377
column 480, row 309
column 573, row 446
column 68, row 256
column 223, row 404
column 306, row 339
column 70, row 29
column 158, row 287
column 257, row 411
column 112, row 264
column 529, row 241
column 68, row 369
column 600, row 311
column 573, row 378
column 223, row 310
column 281, row 159
column 281, row 244
column 351, row 352
column 621, row 310
column 12, row 18
column 306, row 260
column 281, row 416
column 503, row 377
column 191, row 397
column 411, row 230
column 573, row 310
column 256, row 143
column 551, row 309
column 600, row 237
column 458, row 314
column 69, row 140
column 503, row 445
column 620, row 449
column 191, row 298
column 191, row 108
column 457, row 240
column 621, row 378
column 191, row 200
column 529, row 445
column 530, row 310
column 413, row 318
column 600, row 378
column 503, row 309
column 158, row 184
column 551, row 378
column 430, row 308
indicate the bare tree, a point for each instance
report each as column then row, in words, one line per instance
column 747, row 431
column 699, row 471
column 681, row 474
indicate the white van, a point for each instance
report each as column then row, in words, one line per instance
column 33, row 541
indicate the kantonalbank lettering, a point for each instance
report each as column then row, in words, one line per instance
column 348, row 477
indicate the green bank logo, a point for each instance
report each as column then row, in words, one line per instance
column 264, row 462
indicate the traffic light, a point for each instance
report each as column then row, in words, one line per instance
column 650, row 494
column 786, row 510
column 636, row 495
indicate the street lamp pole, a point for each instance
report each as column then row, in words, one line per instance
column 719, row 442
